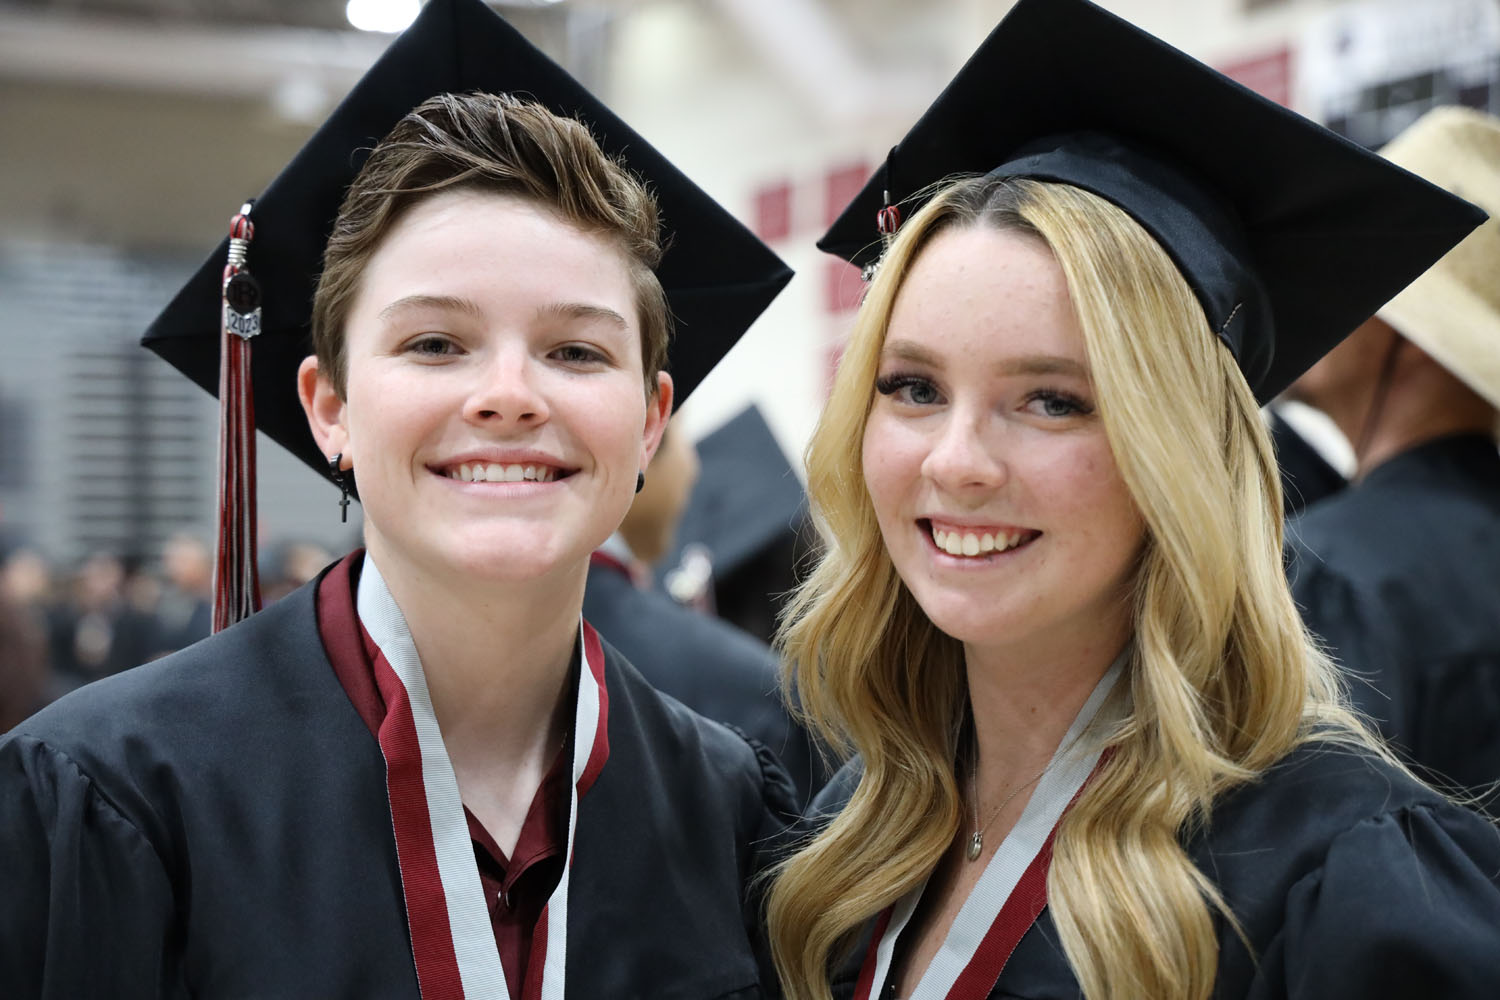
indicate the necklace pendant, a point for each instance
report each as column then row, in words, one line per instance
column 976, row 844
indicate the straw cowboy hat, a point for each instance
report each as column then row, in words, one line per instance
column 1453, row 310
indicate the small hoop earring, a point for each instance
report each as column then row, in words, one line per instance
column 341, row 480
column 640, row 481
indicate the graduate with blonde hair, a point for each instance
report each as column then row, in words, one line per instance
column 1097, row 752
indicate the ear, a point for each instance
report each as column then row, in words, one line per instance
column 658, row 412
column 324, row 409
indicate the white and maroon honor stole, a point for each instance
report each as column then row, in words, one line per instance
column 1011, row 893
column 453, row 943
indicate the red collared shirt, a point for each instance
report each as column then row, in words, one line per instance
column 516, row 889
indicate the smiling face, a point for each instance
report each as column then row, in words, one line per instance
column 494, row 412
column 985, row 458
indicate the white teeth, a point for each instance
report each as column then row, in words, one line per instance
column 494, row 472
column 970, row 544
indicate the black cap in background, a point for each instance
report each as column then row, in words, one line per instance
column 748, row 513
column 747, row 496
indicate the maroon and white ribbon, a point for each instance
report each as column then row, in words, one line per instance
column 453, row 942
column 1011, row 893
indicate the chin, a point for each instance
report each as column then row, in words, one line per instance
column 970, row 619
column 976, row 629
column 481, row 559
column 980, row 616
column 522, row 554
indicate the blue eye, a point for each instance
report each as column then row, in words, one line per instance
column 912, row 389
column 1059, row 404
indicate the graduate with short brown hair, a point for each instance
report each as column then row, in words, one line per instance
column 423, row 774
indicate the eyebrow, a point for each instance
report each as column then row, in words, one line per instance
column 583, row 311
column 445, row 303
column 455, row 303
column 1026, row 364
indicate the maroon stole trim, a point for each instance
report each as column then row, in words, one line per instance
column 383, row 703
column 1025, row 903
column 866, row 981
column 426, row 903
column 1015, row 918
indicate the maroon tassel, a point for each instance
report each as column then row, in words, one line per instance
column 236, row 575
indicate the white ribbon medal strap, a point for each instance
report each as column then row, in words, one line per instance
column 473, row 940
column 1070, row 768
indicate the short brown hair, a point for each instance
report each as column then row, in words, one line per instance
column 498, row 143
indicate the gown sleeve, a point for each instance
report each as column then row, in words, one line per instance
column 771, row 842
column 1406, row 904
column 86, row 908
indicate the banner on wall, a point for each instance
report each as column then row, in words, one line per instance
column 1369, row 69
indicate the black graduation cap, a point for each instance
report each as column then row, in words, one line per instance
column 748, row 510
column 746, row 495
column 717, row 275
column 1290, row 235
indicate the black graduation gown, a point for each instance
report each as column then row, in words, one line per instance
column 216, row 824
column 1349, row 879
column 1400, row 576
column 715, row 669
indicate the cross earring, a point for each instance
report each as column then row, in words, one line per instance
column 341, row 480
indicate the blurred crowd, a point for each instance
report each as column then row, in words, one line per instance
column 62, row 626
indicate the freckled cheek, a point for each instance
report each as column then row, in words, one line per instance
column 892, row 466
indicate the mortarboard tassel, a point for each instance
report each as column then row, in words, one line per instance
column 236, row 576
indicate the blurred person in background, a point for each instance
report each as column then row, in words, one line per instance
column 1400, row 574
column 711, row 666
column 26, row 577
column 288, row 565
column 24, row 669
column 184, row 611
column 105, row 624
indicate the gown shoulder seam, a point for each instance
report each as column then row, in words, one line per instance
column 96, row 791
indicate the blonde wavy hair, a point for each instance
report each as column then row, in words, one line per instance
column 1224, row 679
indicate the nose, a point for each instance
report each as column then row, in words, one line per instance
column 965, row 455
column 506, row 391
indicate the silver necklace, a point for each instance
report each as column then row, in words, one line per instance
column 976, row 841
